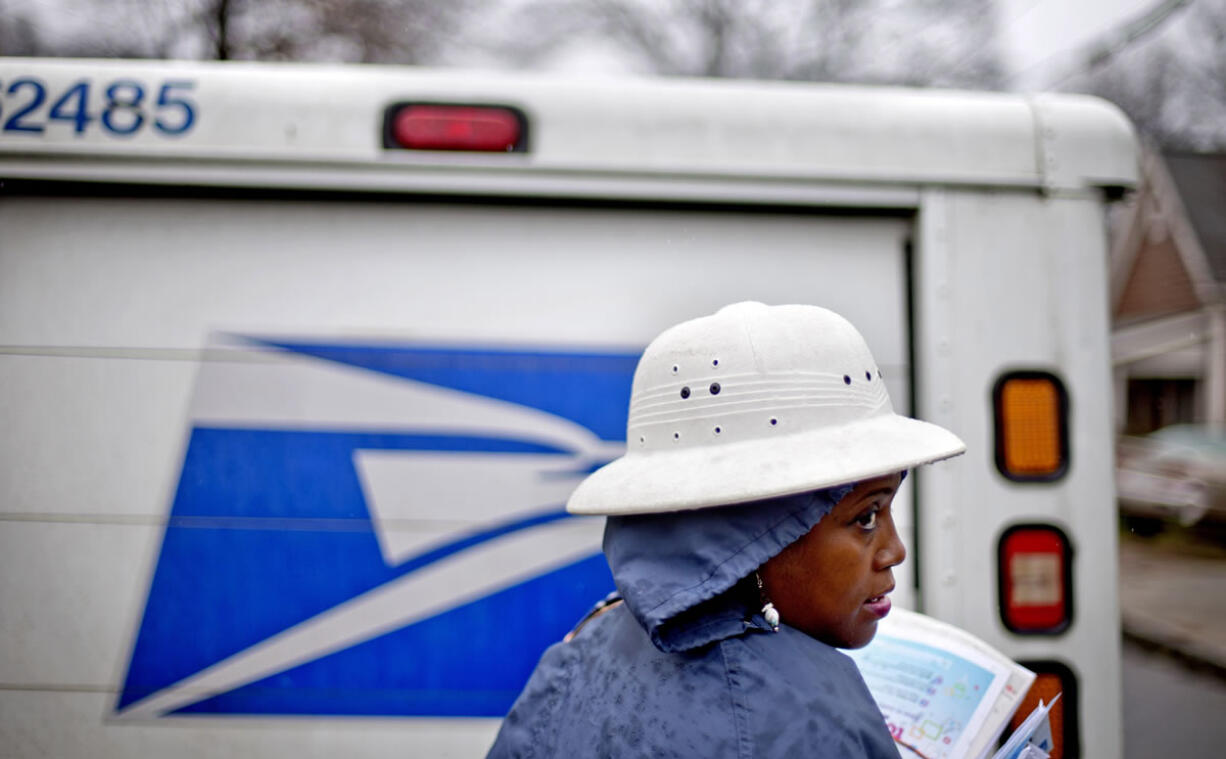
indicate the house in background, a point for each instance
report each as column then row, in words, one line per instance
column 1168, row 289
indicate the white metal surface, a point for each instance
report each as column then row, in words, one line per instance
column 255, row 126
column 1018, row 281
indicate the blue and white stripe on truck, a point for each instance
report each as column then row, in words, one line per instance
column 365, row 528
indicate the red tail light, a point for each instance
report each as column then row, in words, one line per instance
column 1035, row 578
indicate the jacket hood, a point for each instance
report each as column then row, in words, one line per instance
column 679, row 571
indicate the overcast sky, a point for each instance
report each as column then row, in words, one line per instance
column 1038, row 37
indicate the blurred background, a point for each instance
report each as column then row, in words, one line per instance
column 1163, row 62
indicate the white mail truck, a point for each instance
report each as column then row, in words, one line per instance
column 299, row 364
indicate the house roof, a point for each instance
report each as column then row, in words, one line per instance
column 1201, row 182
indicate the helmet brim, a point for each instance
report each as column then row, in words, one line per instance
column 752, row 470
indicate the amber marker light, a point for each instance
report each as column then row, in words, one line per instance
column 1031, row 410
column 1052, row 679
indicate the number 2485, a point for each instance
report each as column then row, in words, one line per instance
column 125, row 110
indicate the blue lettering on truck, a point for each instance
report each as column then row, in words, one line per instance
column 368, row 529
column 127, row 106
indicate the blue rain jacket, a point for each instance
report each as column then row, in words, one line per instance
column 687, row 667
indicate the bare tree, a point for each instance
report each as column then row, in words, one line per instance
column 1142, row 85
column 18, row 34
column 384, row 31
column 1173, row 86
column 919, row 42
column 946, row 42
column 368, row 31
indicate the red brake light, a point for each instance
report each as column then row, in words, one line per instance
column 422, row 126
column 1035, row 578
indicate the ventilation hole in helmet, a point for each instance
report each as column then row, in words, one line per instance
column 675, row 368
column 715, row 388
column 774, row 421
column 715, row 362
column 642, row 440
column 846, row 380
column 685, row 392
column 868, row 376
column 676, row 436
column 718, row 430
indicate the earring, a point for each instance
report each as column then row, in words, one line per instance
column 769, row 612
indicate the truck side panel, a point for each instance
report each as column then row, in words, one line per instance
column 165, row 559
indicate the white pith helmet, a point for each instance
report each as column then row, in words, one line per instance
column 756, row 402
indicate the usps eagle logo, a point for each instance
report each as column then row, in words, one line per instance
column 375, row 528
